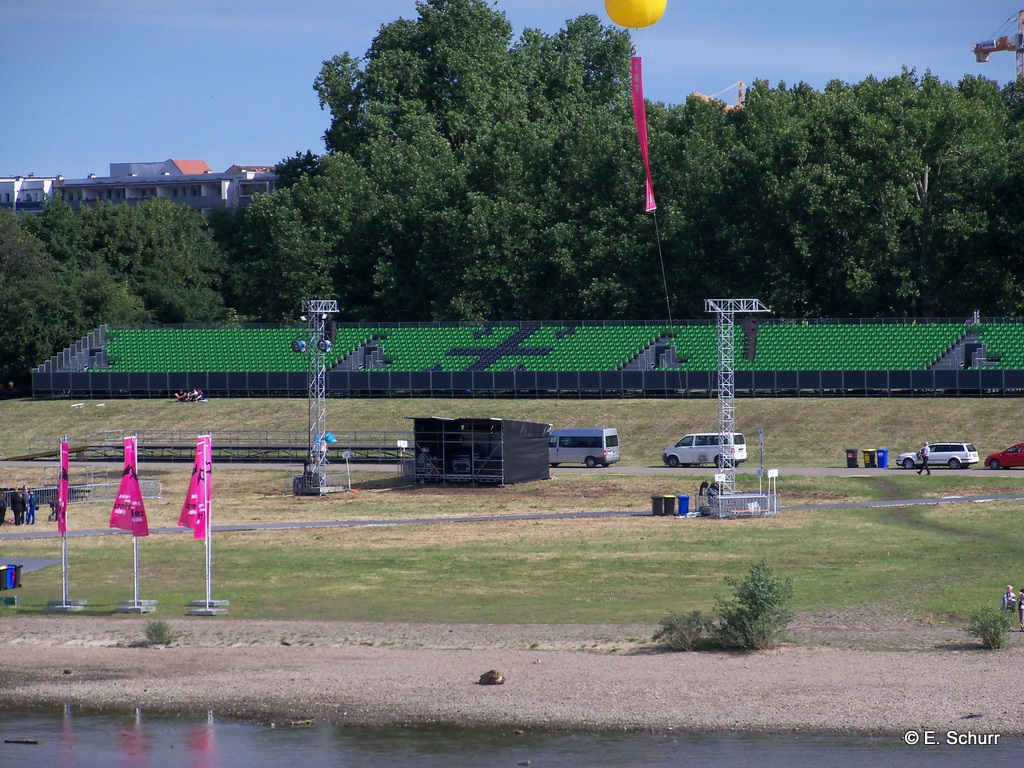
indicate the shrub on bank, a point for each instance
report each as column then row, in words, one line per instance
column 683, row 632
column 754, row 618
column 159, row 632
column 991, row 625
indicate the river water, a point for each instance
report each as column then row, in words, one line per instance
column 66, row 738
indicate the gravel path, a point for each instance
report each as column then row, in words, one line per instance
column 869, row 674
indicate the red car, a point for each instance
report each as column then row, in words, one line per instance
column 1011, row 457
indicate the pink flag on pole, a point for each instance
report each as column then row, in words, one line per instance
column 129, row 512
column 62, row 490
column 208, row 487
column 640, row 117
column 196, row 509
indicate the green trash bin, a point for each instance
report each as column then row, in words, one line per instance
column 869, row 457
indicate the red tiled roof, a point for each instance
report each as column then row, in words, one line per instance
column 189, row 167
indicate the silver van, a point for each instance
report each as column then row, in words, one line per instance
column 583, row 445
column 703, row 448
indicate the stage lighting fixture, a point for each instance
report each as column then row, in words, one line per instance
column 298, row 346
column 324, row 345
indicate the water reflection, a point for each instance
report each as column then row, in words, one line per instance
column 74, row 738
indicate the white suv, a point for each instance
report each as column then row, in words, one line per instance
column 703, row 448
column 952, row 455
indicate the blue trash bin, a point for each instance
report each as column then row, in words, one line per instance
column 882, row 457
column 684, row 505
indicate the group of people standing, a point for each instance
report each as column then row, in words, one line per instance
column 23, row 506
column 1012, row 602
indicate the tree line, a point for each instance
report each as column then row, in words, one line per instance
column 469, row 175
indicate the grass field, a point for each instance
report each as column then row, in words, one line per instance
column 937, row 561
column 798, row 432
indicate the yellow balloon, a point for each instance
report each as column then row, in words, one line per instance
column 635, row 13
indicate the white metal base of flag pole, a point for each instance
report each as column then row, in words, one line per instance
column 59, row 606
column 64, row 605
column 136, row 605
column 209, row 606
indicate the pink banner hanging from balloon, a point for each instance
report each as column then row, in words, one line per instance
column 640, row 116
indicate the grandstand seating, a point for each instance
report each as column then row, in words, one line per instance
column 543, row 359
column 1005, row 344
column 134, row 350
column 781, row 346
column 851, row 347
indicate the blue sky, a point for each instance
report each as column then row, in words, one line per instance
column 86, row 84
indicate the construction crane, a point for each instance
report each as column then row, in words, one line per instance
column 1013, row 43
column 741, row 97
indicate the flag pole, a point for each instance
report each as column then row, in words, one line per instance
column 209, row 565
column 129, row 513
column 204, row 505
column 64, row 605
column 135, row 551
column 206, row 522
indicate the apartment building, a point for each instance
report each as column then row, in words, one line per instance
column 26, row 194
column 186, row 182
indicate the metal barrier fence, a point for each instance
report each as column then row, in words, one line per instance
column 84, row 493
column 753, row 504
column 229, row 445
column 611, row 384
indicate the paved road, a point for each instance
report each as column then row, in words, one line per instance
column 748, row 469
column 8, row 469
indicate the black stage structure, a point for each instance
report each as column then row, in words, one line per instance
column 476, row 450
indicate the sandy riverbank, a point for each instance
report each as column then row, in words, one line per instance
column 880, row 676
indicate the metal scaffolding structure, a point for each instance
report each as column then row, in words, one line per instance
column 725, row 311
column 316, row 312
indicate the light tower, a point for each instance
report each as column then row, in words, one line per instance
column 317, row 313
column 725, row 311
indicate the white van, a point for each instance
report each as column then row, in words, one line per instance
column 703, row 448
column 583, row 445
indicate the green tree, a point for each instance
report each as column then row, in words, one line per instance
column 30, row 295
column 164, row 254
column 306, row 241
column 503, row 177
column 91, row 293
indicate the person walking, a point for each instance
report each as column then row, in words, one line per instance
column 924, row 453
